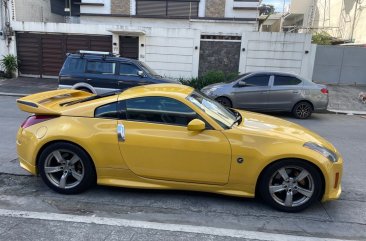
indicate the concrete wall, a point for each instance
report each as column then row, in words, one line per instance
column 215, row 8
column 35, row 11
column 340, row 65
column 287, row 52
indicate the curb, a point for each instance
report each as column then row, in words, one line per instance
column 13, row 94
column 348, row 112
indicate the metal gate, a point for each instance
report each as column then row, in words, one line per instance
column 43, row 54
column 129, row 47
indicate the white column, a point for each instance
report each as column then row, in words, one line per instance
column 202, row 8
column 133, row 7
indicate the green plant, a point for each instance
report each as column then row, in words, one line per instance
column 322, row 38
column 210, row 77
column 10, row 64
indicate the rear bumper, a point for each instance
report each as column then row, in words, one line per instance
column 25, row 149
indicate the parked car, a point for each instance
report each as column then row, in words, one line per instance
column 169, row 136
column 101, row 72
column 271, row 91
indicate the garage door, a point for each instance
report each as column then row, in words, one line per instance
column 44, row 54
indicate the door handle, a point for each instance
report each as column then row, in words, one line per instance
column 121, row 132
column 88, row 79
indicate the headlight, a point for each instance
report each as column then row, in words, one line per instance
column 208, row 91
column 330, row 155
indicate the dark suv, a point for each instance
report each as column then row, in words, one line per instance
column 100, row 72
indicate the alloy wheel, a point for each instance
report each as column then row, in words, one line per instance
column 291, row 186
column 64, row 169
column 303, row 110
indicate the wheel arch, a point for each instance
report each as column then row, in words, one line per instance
column 227, row 97
column 260, row 176
column 62, row 141
column 82, row 85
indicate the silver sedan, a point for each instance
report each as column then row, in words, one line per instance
column 271, row 92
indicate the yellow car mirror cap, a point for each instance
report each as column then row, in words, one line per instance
column 196, row 125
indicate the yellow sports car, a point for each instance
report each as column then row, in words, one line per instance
column 168, row 136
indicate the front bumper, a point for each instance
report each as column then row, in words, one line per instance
column 333, row 187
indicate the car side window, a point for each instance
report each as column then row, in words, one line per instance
column 128, row 69
column 108, row 111
column 161, row 110
column 257, row 80
column 97, row 67
column 74, row 65
column 286, row 80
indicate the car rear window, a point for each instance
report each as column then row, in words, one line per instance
column 74, row 65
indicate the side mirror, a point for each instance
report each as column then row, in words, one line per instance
column 242, row 83
column 196, row 125
column 140, row 73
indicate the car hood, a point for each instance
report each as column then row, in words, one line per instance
column 280, row 129
column 216, row 85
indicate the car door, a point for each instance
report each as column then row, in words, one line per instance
column 157, row 144
column 101, row 74
column 254, row 94
column 284, row 92
column 128, row 76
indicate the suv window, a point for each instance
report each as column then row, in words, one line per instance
column 257, row 80
column 286, row 80
column 74, row 65
column 128, row 69
column 97, row 67
column 159, row 110
column 107, row 111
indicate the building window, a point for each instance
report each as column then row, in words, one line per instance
column 167, row 8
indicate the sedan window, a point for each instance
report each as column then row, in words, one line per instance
column 159, row 110
column 257, row 80
column 286, row 80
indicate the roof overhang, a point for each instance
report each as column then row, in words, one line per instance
column 128, row 32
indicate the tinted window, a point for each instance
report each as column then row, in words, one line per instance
column 74, row 65
column 128, row 69
column 159, row 110
column 286, row 80
column 95, row 67
column 257, row 80
column 107, row 111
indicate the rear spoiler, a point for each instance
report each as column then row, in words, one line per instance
column 49, row 102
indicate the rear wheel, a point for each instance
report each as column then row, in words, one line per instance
column 224, row 101
column 290, row 185
column 302, row 110
column 66, row 168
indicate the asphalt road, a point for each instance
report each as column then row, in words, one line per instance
column 30, row 211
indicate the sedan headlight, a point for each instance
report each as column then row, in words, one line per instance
column 208, row 91
column 330, row 155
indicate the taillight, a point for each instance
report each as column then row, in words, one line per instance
column 35, row 119
column 324, row 91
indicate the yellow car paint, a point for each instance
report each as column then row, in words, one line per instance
column 161, row 156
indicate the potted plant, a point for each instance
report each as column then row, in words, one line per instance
column 10, row 64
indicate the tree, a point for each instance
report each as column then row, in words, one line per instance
column 322, row 38
column 266, row 9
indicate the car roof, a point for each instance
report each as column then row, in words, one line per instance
column 105, row 57
column 169, row 90
column 272, row 72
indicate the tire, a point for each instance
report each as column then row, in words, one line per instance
column 302, row 110
column 285, row 194
column 86, row 90
column 66, row 168
column 225, row 101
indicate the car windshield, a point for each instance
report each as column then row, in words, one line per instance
column 219, row 113
column 148, row 70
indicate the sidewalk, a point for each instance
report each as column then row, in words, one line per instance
column 342, row 99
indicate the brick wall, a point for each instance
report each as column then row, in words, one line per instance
column 120, row 7
column 215, row 8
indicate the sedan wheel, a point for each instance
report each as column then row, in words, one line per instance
column 66, row 168
column 290, row 186
column 224, row 101
column 302, row 110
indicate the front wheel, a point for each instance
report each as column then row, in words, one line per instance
column 290, row 185
column 66, row 168
column 224, row 101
